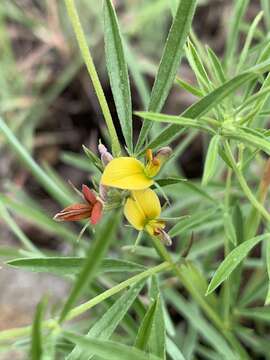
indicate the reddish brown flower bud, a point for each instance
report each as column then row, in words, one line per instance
column 91, row 209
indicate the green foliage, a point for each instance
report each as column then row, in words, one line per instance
column 148, row 302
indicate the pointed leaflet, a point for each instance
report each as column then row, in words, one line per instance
column 157, row 336
column 144, row 332
column 104, row 235
column 63, row 266
column 108, row 350
column 203, row 106
column 118, row 71
column 170, row 61
column 211, row 160
column 105, row 326
column 232, row 261
column 151, row 334
column 36, row 341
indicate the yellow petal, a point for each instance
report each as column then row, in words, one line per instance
column 133, row 214
column 126, row 173
column 148, row 201
column 141, row 208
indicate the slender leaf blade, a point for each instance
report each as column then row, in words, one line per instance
column 118, row 71
column 105, row 326
column 232, row 261
column 211, row 160
column 108, row 349
column 202, row 107
column 157, row 336
column 36, row 340
column 144, row 332
column 72, row 265
column 168, row 66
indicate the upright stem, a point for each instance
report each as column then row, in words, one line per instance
column 226, row 294
column 85, row 51
column 257, row 205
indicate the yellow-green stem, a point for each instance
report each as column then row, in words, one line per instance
column 257, row 205
column 85, row 51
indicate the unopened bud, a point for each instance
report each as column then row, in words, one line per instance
column 102, row 148
column 105, row 155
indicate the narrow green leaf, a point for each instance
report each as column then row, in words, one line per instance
column 170, row 181
column 257, row 97
column 108, row 350
column 244, row 135
column 169, row 64
column 236, row 19
column 201, row 107
column 174, row 352
column 249, row 38
column 266, row 13
column 216, row 65
column 104, row 235
column 232, row 261
column 198, row 67
column 255, row 313
column 192, row 222
column 157, row 336
column 211, row 160
column 105, row 326
column 145, row 329
column 36, row 341
column 95, row 160
column 72, row 265
column 118, row 71
column 189, row 88
column 193, row 187
column 87, row 57
column 204, row 327
column 238, row 222
column 172, row 119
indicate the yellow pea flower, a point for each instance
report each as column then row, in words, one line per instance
column 128, row 173
column 142, row 210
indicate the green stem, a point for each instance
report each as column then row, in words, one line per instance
column 257, row 205
column 114, row 290
column 78, row 30
column 80, row 309
column 212, row 315
column 226, row 295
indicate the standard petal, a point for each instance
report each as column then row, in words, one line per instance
column 148, row 201
column 133, row 214
column 126, row 173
